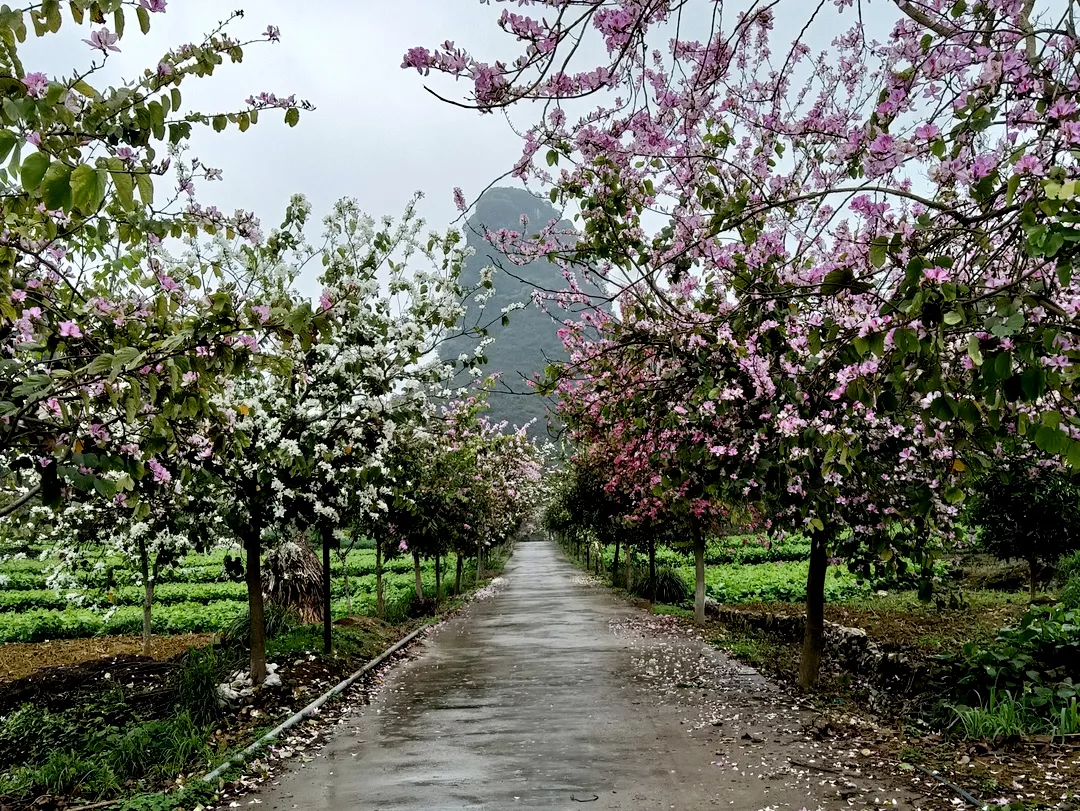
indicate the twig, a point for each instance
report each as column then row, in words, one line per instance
column 801, row 765
column 954, row 787
column 93, row 805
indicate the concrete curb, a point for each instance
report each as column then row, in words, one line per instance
column 310, row 709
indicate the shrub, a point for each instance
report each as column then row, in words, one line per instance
column 1037, row 661
column 671, row 589
column 202, row 671
column 1030, row 514
column 277, row 620
column 1068, row 570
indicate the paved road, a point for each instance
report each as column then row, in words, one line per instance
column 555, row 694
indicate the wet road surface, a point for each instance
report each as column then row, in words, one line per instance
column 556, row 694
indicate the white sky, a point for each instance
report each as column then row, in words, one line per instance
column 376, row 135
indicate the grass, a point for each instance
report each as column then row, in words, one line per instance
column 1002, row 717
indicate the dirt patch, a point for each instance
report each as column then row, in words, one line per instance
column 20, row 659
column 906, row 627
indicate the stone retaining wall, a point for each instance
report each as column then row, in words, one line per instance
column 890, row 675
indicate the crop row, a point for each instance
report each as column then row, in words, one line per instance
column 772, row 582
column 33, row 574
column 179, row 608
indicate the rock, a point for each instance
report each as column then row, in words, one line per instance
column 272, row 680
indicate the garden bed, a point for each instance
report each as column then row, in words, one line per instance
column 19, row 659
column 900, row 622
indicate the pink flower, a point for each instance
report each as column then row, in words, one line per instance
column 69, row 329
column 404, row 547
column 1062, row 108
column 18, row 295
column 262, row 311
column 103, row 40
column 1028, row 165
column 325, row 302
column 34, row 139
column 164, row 69
column 938, row 275
column 983, row 166
column 273, row 33
column 419, row 58
column 459, row 199
column 161, row 475
column 153, row 6
column 927, row 132
column 36, row 84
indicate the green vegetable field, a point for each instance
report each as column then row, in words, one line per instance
column 195, row 597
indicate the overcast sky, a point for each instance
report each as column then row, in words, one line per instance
column 376, row 135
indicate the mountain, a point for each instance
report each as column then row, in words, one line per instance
column 529, row 342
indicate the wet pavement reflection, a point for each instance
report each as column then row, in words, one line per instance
column 555, row 694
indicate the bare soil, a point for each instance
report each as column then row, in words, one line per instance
column 20, row 659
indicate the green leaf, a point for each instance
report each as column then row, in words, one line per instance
column 174, row 96
column 943, row 407
column 1072, row 454
column 124, row 183
column 88, row 186
column 1033, row 383
column 1010, row 189
column 220, row 122
column 952, row 318
column 144, row 20
column 8, row 139
column 118, row 22
column 836, row 281
column 56, row 187
column 292, row 117
column 105, row 487
column 879, row 252
column 969, row 412
column 33, row 170
column 146, row 187
column 1003, row 365
column 552, row 157
column 1051, row 440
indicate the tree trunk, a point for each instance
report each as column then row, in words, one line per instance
column 479, row 562
column 626, row 566
column 148, row 596
column 327, row 632
column 652, row 570
column 926, row 580
column 419, row 579
column 1031, row 579
column 457, row 574
column 615, row 562
column 438, row 578
column 699, row 574
column 380, row 600
column 253, row 576
column 814, row 639
column 588, row 555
